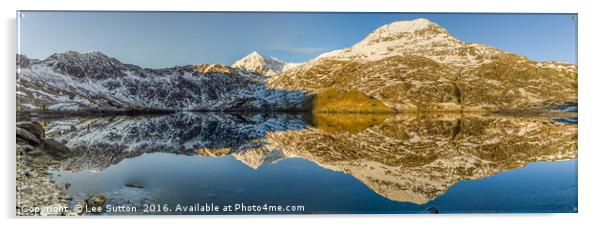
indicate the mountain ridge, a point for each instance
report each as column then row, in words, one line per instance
column 418, row 66
column 402, row 66
column 72, row 81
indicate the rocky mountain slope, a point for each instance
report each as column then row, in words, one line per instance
column 417, row 65
column 73, row 81
column 256, row 63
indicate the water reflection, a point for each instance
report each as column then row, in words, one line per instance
column 403, row 158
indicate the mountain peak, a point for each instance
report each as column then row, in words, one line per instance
column 257, row 63
column 96, row 53
column 254, row 54
column 71, row 54
column 406, row 26
column 92, row 64
column 399, row 29
column 418, row 37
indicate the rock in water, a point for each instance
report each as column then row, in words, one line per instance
column 433, row 209
column 27, row 148
column 33, row 127
column 56, row 149
column 27, row 136
column 134, row 185
column 96, row 201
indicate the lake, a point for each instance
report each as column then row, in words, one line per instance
column 321, row 163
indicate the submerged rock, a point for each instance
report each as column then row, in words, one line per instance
column 27, row 137
column 96, row 201
column 433, row 210
column 56, row 149
column 134, row 185
column 27, row 148
column 33, row 127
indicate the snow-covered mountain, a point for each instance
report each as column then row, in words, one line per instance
column 416, row 37
column 417, row 65
column 92, row 81
column 403, row 66
column 256, row 63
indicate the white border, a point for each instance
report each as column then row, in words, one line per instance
column 589, row 92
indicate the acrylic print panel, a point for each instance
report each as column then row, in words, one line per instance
column 194, row 113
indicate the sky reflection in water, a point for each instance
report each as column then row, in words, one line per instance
column 329, row 164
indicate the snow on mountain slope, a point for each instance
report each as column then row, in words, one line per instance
column 256, row 63
column 417, row 37
column 417, row 65
column 92, row 81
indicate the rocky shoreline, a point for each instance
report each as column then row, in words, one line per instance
column 37, row 194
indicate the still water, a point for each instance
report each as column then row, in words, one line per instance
column 325, row 163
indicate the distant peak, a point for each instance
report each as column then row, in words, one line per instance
column 253, row 55
column 71, row 52
column 257, row 63
column 75, row 56
column 94, row 53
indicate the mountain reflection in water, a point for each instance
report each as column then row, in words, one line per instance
column 404, row 162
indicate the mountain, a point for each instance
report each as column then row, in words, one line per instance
column 256, row 63
column 405, row 66
column 92, row 81
column 417, row 65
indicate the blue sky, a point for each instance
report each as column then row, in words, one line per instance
column 166, row 39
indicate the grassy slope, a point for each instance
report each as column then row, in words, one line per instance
column 414, row 83
column 337, row 100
